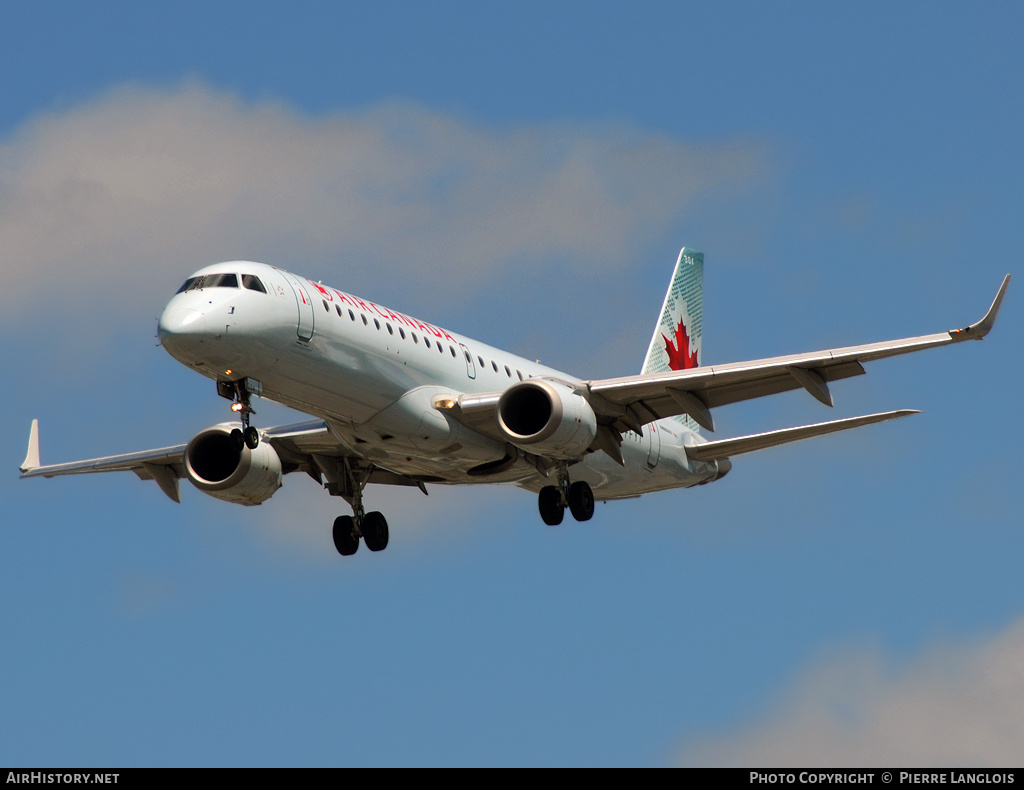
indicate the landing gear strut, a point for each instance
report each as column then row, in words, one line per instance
column 372, row 527
column 553, row 500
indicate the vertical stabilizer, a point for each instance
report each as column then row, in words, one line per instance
column 677, row 336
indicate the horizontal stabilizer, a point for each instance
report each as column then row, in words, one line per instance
column 725, row 448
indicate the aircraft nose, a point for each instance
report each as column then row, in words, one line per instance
column 181, row 329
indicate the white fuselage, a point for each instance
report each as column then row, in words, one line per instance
column 374, row 374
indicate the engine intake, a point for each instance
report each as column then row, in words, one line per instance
column 547, row 418
column 216, row 466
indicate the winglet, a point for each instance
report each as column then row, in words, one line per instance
column 32, row 457
column 979, row 330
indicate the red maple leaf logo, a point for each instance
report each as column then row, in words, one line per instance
column 323, row 291
column 679, row 356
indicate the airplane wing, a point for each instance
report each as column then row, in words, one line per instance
column 308, row 446
column 628, row 403
column 165, row 465
column 632, row 401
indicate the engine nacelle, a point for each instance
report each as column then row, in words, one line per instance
column 547, row 418
column 216, row 466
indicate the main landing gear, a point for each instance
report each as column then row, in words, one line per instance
column 578, row 497
column 371, row 527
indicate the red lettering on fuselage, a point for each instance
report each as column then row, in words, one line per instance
column 355, row 301
column 380, row 312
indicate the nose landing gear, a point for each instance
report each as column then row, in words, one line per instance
column 238, row 393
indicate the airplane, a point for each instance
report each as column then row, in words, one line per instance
column 398, row 401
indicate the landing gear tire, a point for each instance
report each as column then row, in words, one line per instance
column 251, row 437
column 345, row 539
column 551, row 508
column 237, row 439
column 375, row 531
column 581, row 501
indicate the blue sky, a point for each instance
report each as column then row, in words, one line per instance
column 526, row 176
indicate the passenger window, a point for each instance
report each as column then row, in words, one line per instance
column 481, row 361
column 415, row 339
column 426, row 342
column 453, row 351
column 376, row 323
column 338, row 308
column 351, row 315
column 508, row 372
column 252, row 282
column 365, row 322
column 327, row 307
column 401, row 332
column 519, row 373
column 390, row 330
column 494, row 365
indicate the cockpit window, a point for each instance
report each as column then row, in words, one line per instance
column 252, row 282
column 210, row 281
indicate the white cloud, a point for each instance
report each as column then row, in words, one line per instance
column 129, row 193
column 951, row 706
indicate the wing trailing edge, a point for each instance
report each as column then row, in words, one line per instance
column 726, row 448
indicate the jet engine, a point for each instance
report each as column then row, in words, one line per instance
column 218, row 467
column 547, row 418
